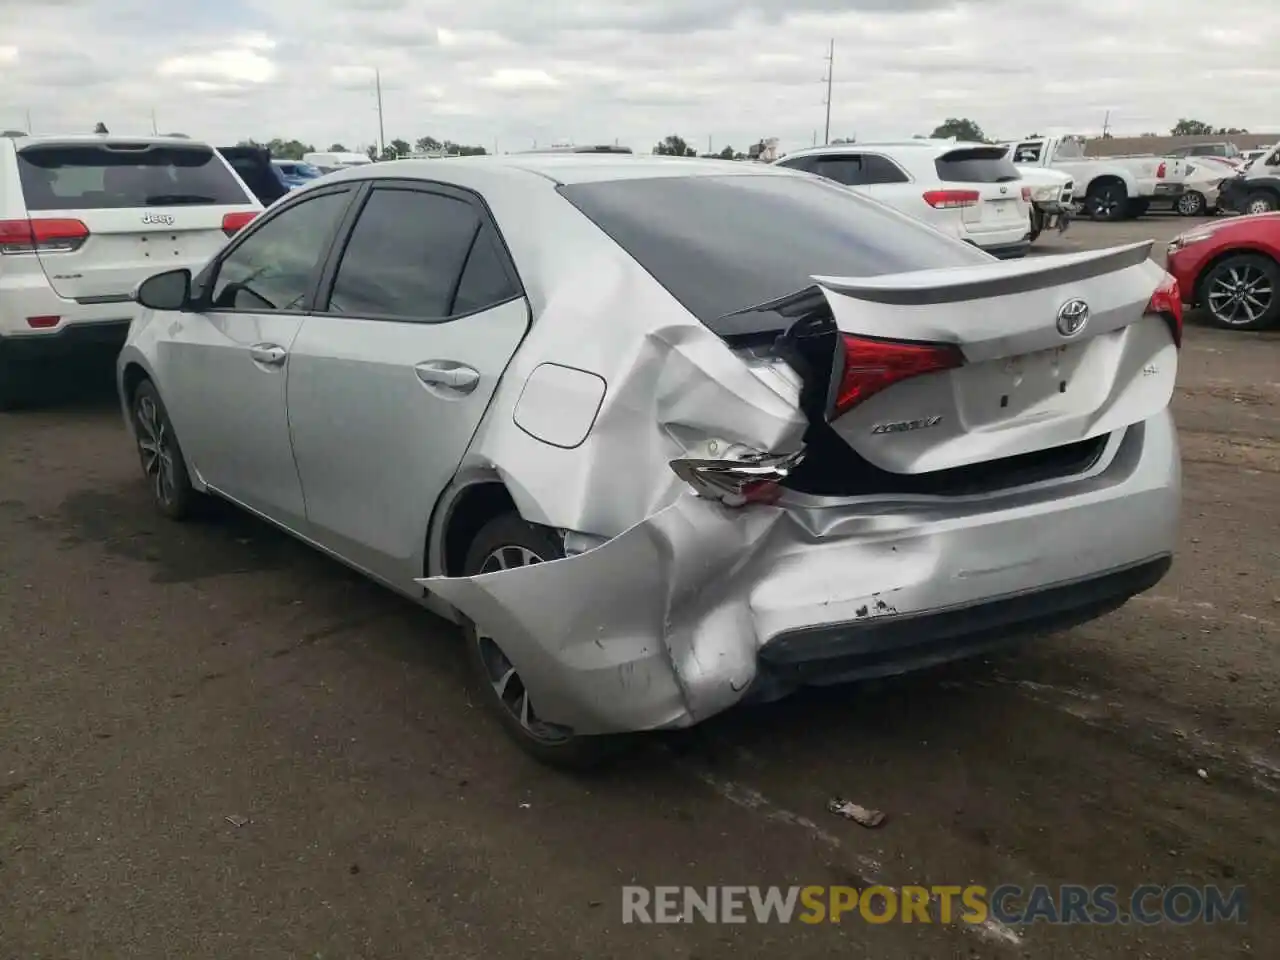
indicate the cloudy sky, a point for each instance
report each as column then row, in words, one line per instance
column 517, row 72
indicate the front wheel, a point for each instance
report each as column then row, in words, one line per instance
column 1192, row 204
column 504, row 543
column 1243, row 292
column 1261, row 201
column 162, row 461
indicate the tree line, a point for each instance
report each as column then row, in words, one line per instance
column 283, row 149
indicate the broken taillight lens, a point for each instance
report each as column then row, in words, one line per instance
column 874, row 365
column 1167, row 302
column 738, row 483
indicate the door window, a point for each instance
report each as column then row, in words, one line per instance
column 274, row 267
column 417, row 255
column 847, row 169
column 881, row 170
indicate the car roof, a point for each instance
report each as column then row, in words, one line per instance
column 927, row 147
column 557, row 168
column 86, row 139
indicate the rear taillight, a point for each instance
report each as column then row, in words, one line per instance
column 1161, row 171
column 950, row 199
column 1167, row 302
column 232, row 223
column 1026, row 194
column 41, row 236
column 873, row 365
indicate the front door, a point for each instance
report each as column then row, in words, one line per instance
column 232, row 356
column 393, row 372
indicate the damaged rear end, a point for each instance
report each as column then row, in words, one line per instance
column 988, row 455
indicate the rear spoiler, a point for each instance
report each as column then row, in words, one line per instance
column 981, row 280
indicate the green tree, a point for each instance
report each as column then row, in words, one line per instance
column 427, row 144
column 1230, row 131
column 728, row 153
column 1191, row 128
column 962, row 128
column 288, row 149
column 337, row 148
column 100, row 127
column 674, row 146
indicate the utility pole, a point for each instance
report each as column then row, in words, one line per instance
column 29, row 130
column 831, row 69
column 155, row 131
column 1106, row 125
column 708, row 143
column 382, row 141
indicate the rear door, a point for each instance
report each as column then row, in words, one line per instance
column 988, row 171
column 144, row 207
column 389, row 378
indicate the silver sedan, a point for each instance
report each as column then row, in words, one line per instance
column 669, row 435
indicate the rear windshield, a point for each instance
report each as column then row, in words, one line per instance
column 724, row 243
column 976, row 165
column 120, row 175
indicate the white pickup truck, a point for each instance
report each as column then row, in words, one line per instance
column 1110, row 188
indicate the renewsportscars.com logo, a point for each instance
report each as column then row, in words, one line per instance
column 1007, row 904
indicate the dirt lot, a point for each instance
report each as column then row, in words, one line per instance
column 215, row 743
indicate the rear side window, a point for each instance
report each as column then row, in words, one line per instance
column 724, row 243
column 111, row 176
column 858, row 170
column 420, row 256
column 976, row 165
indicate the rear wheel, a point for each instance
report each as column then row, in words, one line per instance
column 161, row 457
column 504, row 543
column 1192, row 204
column 1108, row 200
column 1260, row 201
column 1243, row 292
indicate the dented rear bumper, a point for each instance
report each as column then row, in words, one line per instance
column 702, row 605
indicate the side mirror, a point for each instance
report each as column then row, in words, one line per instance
column 170, row 290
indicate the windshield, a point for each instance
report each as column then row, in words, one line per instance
column 721, row 244
column 115, row 175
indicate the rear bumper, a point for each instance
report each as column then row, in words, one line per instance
column 700, row 606
column 1007, row 251
column 70, row 341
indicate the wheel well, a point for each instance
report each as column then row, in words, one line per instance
column 477, row 505
column 1104, row 180
column 133, row 376
column 1198, row 292
column 1269, row 190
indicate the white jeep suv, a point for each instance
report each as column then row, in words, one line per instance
column 85, row 218
column 971, row 191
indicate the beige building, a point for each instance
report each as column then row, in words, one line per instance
column 1120, row 146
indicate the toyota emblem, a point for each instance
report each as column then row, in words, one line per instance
column 1072, row 317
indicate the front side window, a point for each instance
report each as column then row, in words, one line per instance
column 416, row 255
column 274, row 268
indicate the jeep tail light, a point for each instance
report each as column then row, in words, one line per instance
column 1167, row 302
column 41, row 236
column 951, row 199
column 232, row 223
column 874, row 365
column 1161, row 171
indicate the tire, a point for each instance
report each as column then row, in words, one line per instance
column 160, row 454
column 1108, row 201
column 1192, row 204
column 1137, row 208
column 1037, row 224
column 489, row 668
column 1257, row 312
column 1261, row 201
column 17, row 388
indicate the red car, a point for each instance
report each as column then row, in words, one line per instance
column 1232, row 269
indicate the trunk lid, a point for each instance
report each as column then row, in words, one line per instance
column 1033, row 376
column 145, row 207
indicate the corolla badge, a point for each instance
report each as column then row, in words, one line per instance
column 1072, row 317
column 160, row 219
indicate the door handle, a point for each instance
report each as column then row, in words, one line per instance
column 268, row 353
column 453, row 376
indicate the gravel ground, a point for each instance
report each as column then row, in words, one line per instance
column 216, row 743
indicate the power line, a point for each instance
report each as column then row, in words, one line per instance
column 831, row 69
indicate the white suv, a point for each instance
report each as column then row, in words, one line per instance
column 85, row 218
column 971, row 191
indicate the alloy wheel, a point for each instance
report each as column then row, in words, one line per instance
column 155, row 446
column 1241, row 295
column 500, row 672
column 1191, row 204
column 1260, row 205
